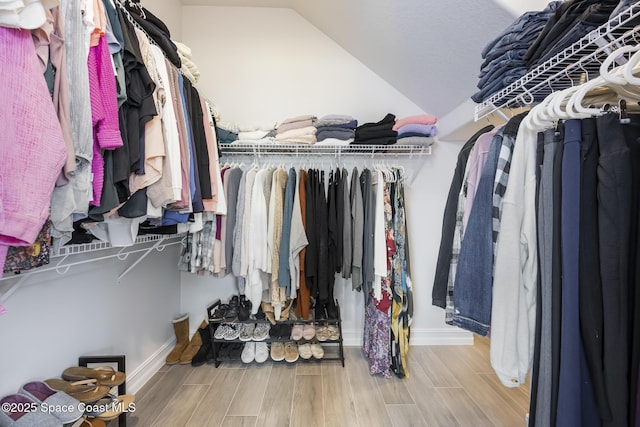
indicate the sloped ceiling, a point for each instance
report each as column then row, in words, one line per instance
column 429, row 50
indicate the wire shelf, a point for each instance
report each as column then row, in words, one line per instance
column 577, row 63
column 99, row 246
column 280, row 149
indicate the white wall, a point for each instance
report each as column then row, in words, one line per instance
column 52, row 319
column 518, row 7
column 268, row 64
column 170, row 12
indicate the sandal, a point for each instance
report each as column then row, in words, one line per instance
column 85, row 391
column 93, row 422
column 114, row 407
column 105, row 375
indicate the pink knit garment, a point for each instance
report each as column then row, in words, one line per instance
column 104, row 111
column 32, row 148
column 420, row 119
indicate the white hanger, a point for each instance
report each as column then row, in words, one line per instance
column 575, row 102
column 538, row 115
column 629, row 69
column 612, row 76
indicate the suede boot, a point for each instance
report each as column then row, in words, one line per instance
column 284, row 314
column 181, row 329
column 194, row 345
column 205, row 353
column 267, row 308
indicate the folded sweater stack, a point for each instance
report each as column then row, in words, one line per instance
column 418, row 130
column 380, row 133
column 297, row 130
column 336, row 129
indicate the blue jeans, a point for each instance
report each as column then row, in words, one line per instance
column 499, row 70
column 515, row 54
column 494, row 86
column 524, row 22
column 472, row 292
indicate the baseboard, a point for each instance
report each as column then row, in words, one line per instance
column 147, row 369
column 440, row 336
column 422, row 336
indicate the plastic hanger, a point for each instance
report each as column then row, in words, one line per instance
column 629, row 69
column 576, row 100
column 612, row 76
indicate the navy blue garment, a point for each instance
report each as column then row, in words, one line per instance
column 472, row 294
column 569, row 408
column 591, row 309
column 576, row 403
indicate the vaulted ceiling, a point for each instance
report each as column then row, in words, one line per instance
column 429, row 50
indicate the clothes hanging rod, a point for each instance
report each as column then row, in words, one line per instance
column 296, row 150
column 577, row 62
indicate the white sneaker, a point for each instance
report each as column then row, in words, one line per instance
column 249, row 352
column 246, row 333
column 261, row 332
column 262, row 352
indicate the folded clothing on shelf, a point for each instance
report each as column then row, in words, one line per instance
column 297, row 122
column 305, row 135
column 505, row 56
column 413, row 129
column 335, row 133
column 418, row 119
column 337, row 120
column 379, row 133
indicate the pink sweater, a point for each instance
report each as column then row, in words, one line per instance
column 420, row 119
column 32, row 148
column 104, row 111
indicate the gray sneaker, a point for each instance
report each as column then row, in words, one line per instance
column 246, row 333
column 261, row 332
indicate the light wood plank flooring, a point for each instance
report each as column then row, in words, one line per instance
column 448, row 386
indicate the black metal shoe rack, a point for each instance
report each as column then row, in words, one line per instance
column 327, row 345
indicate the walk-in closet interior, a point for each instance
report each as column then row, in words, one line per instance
column 330, row 213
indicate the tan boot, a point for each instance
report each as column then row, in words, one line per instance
column 194, row 346
column 267, row 309
column 181, row 329
column 284, row 314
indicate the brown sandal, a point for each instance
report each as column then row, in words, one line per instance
column 85, row 391
column 119, row 405
column 105, row 375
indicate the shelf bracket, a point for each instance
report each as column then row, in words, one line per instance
column 157, row 246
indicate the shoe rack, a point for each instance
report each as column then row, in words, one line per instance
column 121, row 362
column 333, row 349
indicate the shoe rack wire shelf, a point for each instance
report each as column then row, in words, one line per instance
column 328, row 344
column 64, row 258
column 575, row 64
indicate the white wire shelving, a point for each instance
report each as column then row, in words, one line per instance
column 579, row 62
column 301, row 150
column 63, row 259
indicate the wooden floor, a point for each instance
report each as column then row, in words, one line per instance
column 448, row 386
